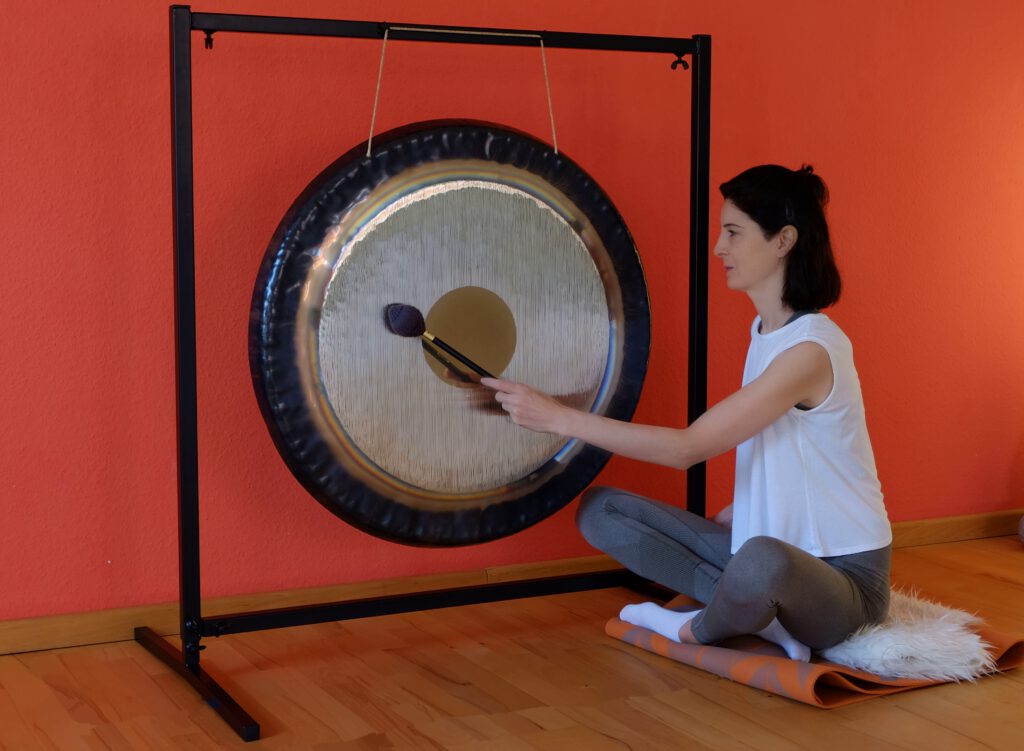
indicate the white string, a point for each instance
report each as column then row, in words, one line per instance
column 376, row 96
column 547, row 88
column 543, row 61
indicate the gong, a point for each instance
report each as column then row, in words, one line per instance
column 517, row 258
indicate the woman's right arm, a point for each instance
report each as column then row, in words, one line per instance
column 793, row 376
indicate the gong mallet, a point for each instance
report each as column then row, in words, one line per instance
column 407, row 321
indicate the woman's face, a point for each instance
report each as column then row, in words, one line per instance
column 751, row 262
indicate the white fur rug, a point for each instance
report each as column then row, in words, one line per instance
column 918, row 639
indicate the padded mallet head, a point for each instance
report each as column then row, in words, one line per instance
column 404, row 320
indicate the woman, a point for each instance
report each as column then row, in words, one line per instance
column 801, row 557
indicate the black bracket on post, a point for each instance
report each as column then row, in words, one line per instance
column 193, row 627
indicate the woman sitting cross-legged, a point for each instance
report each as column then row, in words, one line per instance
column 801, row 557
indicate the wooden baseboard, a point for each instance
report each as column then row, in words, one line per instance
column 955, row 528
column 77, row 629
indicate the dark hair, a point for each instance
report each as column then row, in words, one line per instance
column 774, row 197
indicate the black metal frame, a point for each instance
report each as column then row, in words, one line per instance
column 193, row 626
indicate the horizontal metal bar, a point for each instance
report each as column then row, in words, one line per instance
column 236, row 623
column 213, row 22
column 219, row 699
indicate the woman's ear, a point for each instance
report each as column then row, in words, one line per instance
column 786, row 239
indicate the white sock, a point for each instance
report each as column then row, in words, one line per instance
column 656, row 618
column 777, row 634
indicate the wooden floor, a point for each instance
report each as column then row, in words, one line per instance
column 528, row 674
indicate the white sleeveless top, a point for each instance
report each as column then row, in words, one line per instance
column 809, row 478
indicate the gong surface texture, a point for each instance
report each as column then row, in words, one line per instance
column 517, row 259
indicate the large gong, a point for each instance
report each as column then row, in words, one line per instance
column 516, row 258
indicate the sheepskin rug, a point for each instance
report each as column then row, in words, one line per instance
column 918, row 639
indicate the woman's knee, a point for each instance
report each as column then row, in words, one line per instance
column 763, row 563
column 591, row 512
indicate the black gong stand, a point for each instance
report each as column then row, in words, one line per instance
column 193, row 625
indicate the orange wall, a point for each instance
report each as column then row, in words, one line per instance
column 912, row 111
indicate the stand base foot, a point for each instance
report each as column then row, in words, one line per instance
column 219, row 699
column 249, row 730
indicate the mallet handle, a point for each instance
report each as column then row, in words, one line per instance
column 455, row 353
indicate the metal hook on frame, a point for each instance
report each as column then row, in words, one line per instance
column 680, row 61
column 208, row 42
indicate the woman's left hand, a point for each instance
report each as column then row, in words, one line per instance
column 529, row 408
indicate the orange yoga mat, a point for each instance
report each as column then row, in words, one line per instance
column 757, row 663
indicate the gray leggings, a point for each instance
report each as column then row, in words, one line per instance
column 820, row 601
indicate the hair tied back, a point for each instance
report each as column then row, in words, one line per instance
column 815, row 183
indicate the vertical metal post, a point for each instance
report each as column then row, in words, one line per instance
column 700, row 150
column 186, row 661
column 185, row 331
